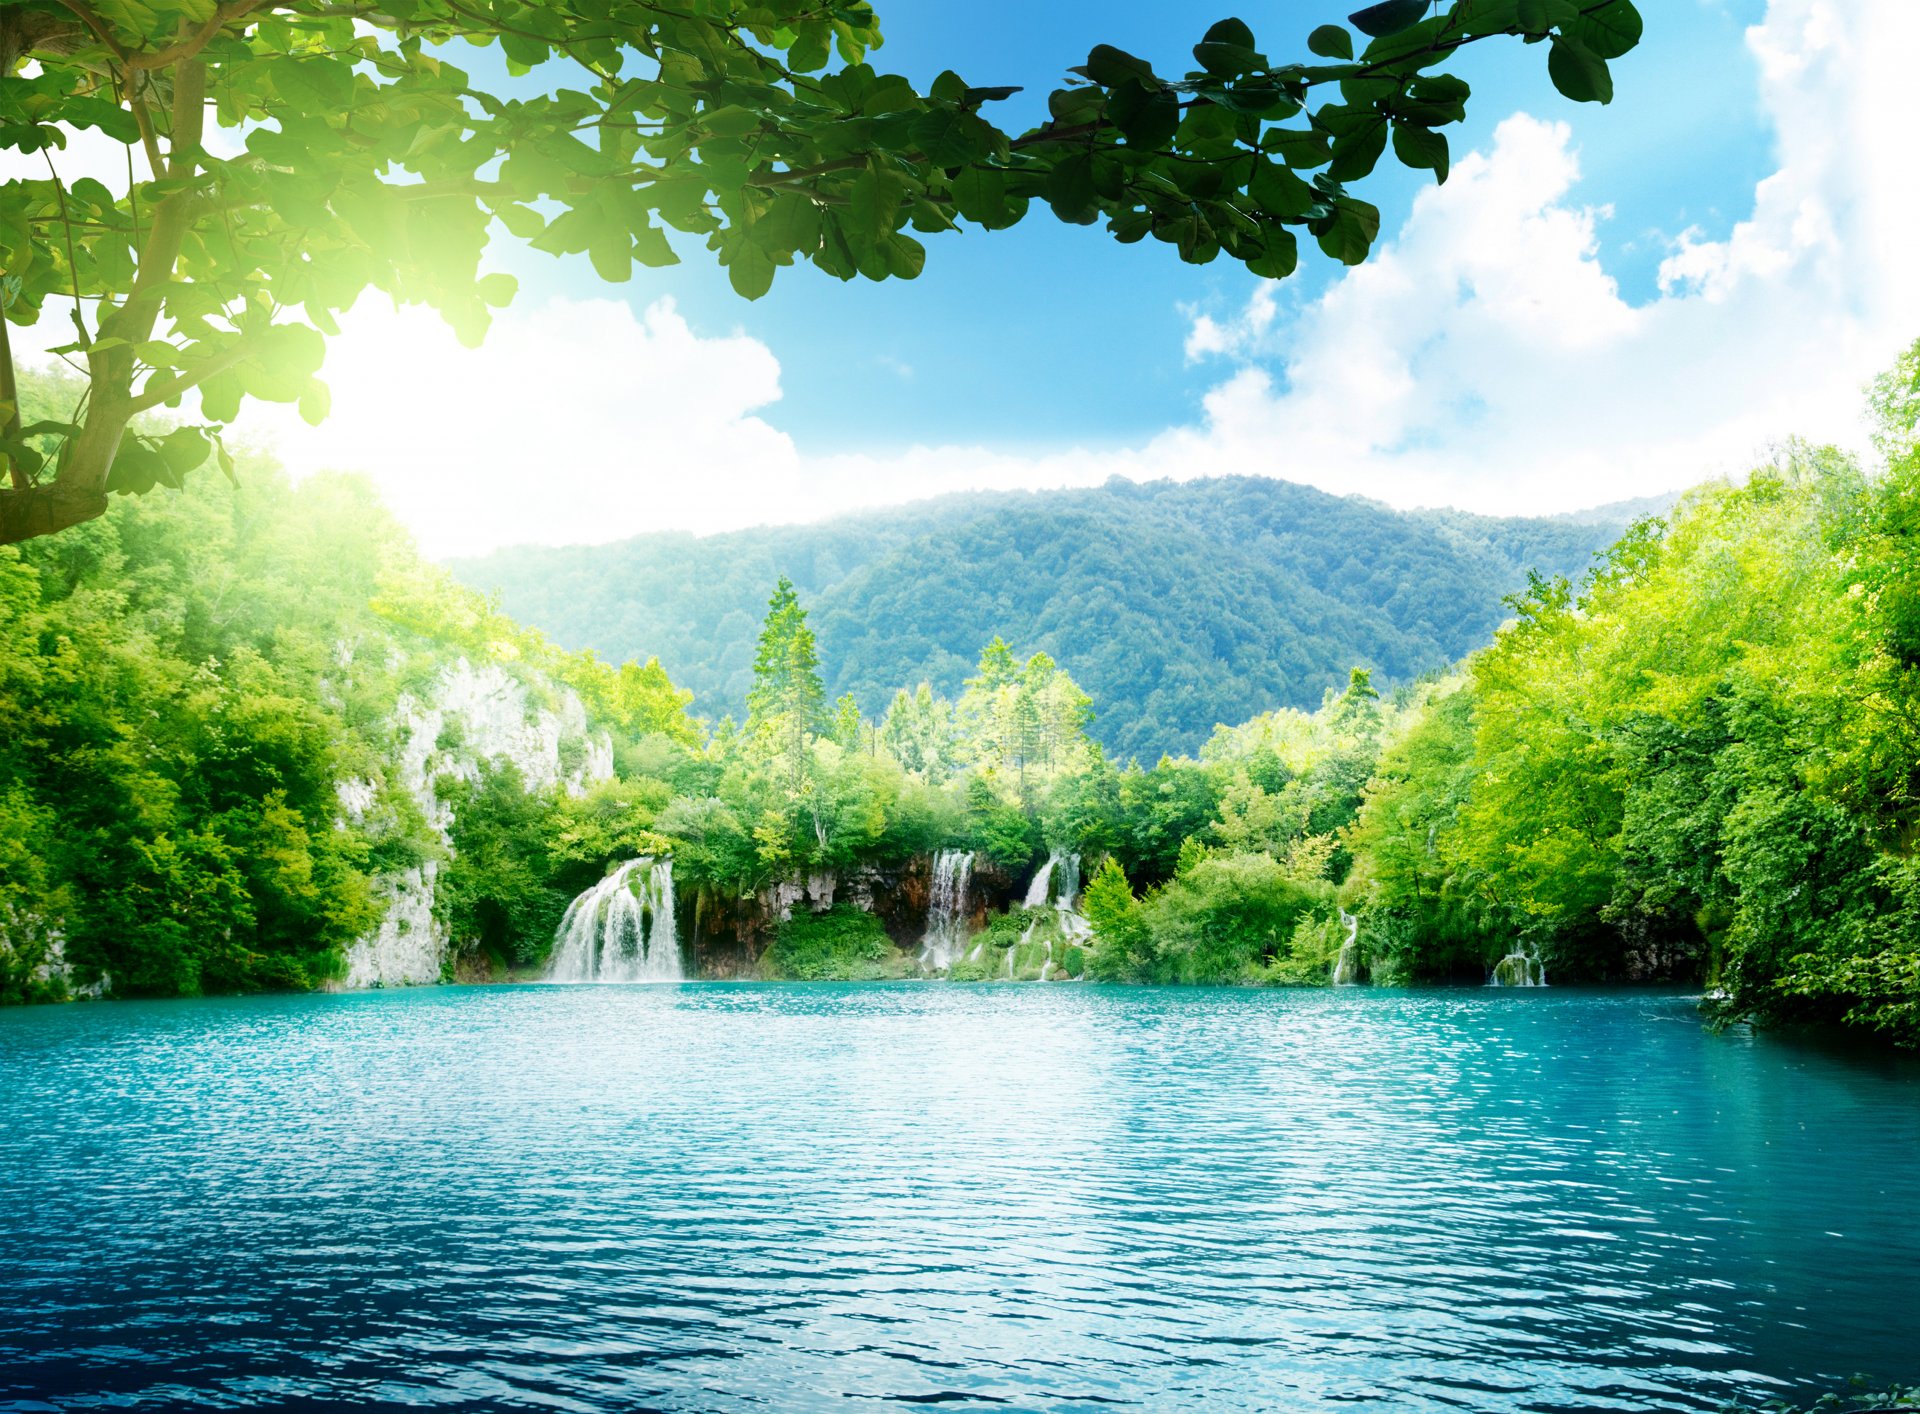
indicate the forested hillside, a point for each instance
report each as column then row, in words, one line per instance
column 1176, row 605
column 254, row 741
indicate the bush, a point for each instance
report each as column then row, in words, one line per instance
column 1225, row 919
column 1310, row 953
column 841, row 945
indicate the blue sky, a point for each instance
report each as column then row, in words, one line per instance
column 1602, row 303
column 1049, row 334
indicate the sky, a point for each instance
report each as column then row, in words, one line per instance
column 1601, row 303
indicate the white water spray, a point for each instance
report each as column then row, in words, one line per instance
column 1057, row 886
column 947, row 911
column 621, row 929
column 1346, row 967
column 1520, row 968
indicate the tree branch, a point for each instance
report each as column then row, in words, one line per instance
column 10, row 396
column 166, row 390
column 45, row 510
column 190, row 46
column 85, row 14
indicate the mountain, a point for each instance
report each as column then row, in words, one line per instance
column 1620, row 514
column 1177, row 605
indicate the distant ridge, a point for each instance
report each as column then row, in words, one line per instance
column 1623, row 513
column 1176, row 604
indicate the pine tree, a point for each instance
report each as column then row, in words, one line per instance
column 846, row 721
column 787, row 707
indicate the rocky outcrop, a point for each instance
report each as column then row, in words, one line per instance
column 33, row 959
column 470, row 716
column 728, row 934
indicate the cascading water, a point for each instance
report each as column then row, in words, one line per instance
column 1520, row 968
column 1346, row 967
column 1057, row 884
column 947, row 911
column 621, row 929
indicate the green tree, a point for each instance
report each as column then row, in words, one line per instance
column 637, row 699
column 787, row 706
column 370, row 160
column 846, row 721
column 1125, row 950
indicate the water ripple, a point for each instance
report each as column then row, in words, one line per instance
column 730, row 1197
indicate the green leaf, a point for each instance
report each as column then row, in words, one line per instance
column 1069, row 189
column 1146, row 117
column 1279, row 192
column 184, row 449
column 1389, row 17
column 730, row 121
column 1302, row 151
column 1110, row 67
column 1209, row 130
column 24, row 457
column 1610, row 31
column 1423, row 149
column 497, row 289
column 1356, row 153
column 951, row 137
column 137, row 469
column 1578, row 72
column 220, row 397
column 611, row 251
column 1229, row 31
column 522, row 221
column 906, row 257
column 1350, row 231
column 110, row 118
column 980, row 195
column 1331, row 42
column 1228, row 60
column 1130, row 226
column 316, row 401
column 1434, row 100
column 650, row 247
column 750, row 271
column 1279, row 255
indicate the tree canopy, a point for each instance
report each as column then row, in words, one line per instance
column 1177, row 605
column 360, row 157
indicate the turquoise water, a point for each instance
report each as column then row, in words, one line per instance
column 736, row 1197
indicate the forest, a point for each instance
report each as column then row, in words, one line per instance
column 1177, row 605
column 1695, row 763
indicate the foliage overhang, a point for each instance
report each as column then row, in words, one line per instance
column 366, row 159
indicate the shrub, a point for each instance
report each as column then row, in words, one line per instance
column 841, row 945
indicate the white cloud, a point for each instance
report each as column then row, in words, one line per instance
column 574, row 421
column 1485, row 358
column 1208, row 337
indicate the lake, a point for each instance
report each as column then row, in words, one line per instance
column 834, row 1197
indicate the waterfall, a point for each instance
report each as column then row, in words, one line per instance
column 1057, row 884
column 621, row 929
column 1346, row 967
column 1520, row 968
column 946, row 910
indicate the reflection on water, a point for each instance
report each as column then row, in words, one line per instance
column 719, row 1197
